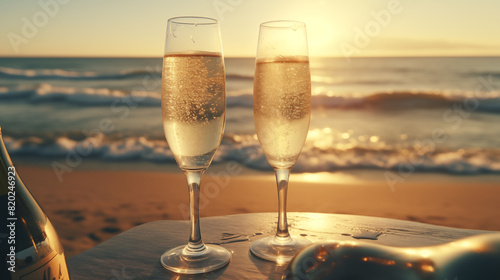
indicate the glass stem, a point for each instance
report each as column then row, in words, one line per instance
column 282, row 176
column 195, row 245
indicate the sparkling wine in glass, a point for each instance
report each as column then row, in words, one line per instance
column 193, row 107
column 282, row 109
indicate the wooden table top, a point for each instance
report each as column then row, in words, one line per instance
column 135, row 253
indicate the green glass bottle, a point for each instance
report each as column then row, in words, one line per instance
column 29, row 244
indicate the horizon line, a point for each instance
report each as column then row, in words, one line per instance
column 319, row 56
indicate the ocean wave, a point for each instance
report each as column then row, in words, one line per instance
column 385, row 101
column 484, row 74
column 60, row 74
column 327, row 80
column 245, row 150
column 230, row 76
column 403, row 100
column 81, row 96
column 465, row 161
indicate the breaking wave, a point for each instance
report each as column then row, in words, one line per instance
column 404, row 100
column 245, row 150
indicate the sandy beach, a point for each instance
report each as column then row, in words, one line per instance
column 89, row 207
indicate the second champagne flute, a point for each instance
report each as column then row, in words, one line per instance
column 282, row 109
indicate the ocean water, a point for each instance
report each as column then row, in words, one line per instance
column 406, row 114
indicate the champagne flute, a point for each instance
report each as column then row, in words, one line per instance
column 193, row 107
column 282, row 109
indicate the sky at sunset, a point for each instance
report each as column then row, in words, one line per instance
column 335, row 28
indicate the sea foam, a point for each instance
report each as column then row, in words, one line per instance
column 245, row 150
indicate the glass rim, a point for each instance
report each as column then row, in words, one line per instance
column 282, row 23
column 194, row 20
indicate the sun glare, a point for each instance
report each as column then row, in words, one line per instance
column 321, row 35
column 322, row 177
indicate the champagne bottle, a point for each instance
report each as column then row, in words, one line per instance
column 471, row 258
column 30, row 247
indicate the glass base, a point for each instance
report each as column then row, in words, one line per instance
column 276, row 250
column 214, row 257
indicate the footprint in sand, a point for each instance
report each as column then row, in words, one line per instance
column 78, row 218
column 74, row 215
column 94, row 237
column 111, row 230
